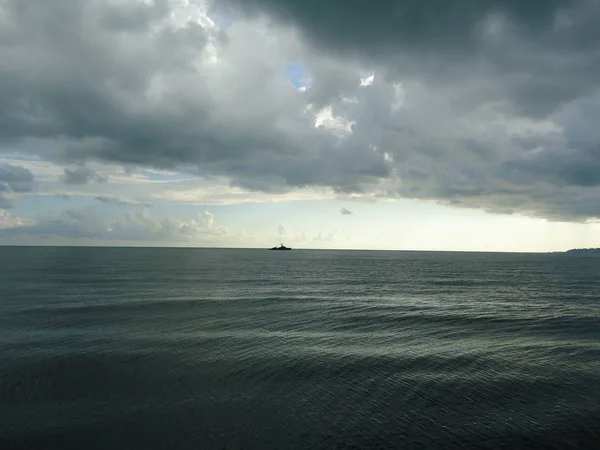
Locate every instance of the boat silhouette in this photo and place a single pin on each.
(281, 247)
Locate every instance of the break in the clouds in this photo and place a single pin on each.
(487, 104)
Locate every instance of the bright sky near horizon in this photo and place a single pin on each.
(430, 124)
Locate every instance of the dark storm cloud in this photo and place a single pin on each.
(378, 27)
(90, 86)
(87, 64)
(496, 109)
(537, 53)
(87, 84)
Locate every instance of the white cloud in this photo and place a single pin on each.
(202, 224)
(367, 81)
(290, 235)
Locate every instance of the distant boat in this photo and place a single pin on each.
(281, 247)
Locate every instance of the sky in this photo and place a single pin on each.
(406, 125)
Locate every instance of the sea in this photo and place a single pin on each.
(158, 348)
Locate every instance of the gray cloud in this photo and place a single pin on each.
(106, 114)
(537, 54)
(484, 104)
(345, 212)
(14, 180)
(82, 175)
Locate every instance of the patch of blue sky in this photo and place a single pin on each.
(32, 205)
(10, 154)
(222, 20)
(221, 16)
(297, 74)
(162, 176)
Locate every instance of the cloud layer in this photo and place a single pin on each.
(137, 225)
(485, 104)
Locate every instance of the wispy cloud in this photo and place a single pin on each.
(120, 201)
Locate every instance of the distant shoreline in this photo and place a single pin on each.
(584, 250)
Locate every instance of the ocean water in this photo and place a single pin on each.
(115, 348)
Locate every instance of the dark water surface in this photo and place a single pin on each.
(108, 348)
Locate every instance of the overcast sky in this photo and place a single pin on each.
(401, 124)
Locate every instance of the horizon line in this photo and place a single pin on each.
(192, 247)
